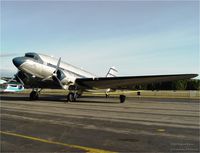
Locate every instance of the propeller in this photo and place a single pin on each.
(54, 75)
(14, 78)
(55, 72)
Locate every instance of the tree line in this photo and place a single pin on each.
(193, 84)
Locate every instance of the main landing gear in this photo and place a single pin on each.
(71, 97)
(74, 93)
(122, 98)
(34, 95)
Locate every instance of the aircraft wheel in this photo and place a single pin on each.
(71, 97)
(33, 95)
(122, 98)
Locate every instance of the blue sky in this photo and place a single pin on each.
(137, 37)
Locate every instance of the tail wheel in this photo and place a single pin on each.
(122, 98)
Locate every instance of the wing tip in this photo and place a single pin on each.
(192, 75)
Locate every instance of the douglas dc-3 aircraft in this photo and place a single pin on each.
(39, 71)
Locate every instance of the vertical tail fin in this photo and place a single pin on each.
(112, 72)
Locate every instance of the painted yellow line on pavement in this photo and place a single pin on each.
(87, 149)
(161, 130)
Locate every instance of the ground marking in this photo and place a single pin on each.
(161, 130)
(87, 149)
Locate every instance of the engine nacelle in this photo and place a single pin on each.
(62, 78)
(60, 75)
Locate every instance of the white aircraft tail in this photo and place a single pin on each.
(112, 72)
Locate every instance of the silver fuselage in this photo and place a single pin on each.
(39, 66)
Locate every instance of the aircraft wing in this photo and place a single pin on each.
(128, 81)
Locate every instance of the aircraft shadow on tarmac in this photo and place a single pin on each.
(60, 98)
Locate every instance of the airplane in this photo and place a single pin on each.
(10, 86)
(39, 71)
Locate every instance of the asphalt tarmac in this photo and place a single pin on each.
(97, 124)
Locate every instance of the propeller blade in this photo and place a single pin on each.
(47, 78)
(55, 78)
(55, 72)
(58, 64)
(19, 79)
(54, 75)
(10, 80)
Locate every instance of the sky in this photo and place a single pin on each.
(137, 37)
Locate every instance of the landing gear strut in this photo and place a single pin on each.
(122, 98)
(34, 94)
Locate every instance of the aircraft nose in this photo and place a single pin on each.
(17, 61)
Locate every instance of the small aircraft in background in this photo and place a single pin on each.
(10, 86)
(39, 71)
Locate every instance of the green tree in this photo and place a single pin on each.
(179, 85)
(193, 85)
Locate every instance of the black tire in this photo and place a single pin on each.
(71, 97)
(33, 95)
(122, 98)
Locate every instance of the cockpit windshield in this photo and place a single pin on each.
(34, 56)
(31, 55)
